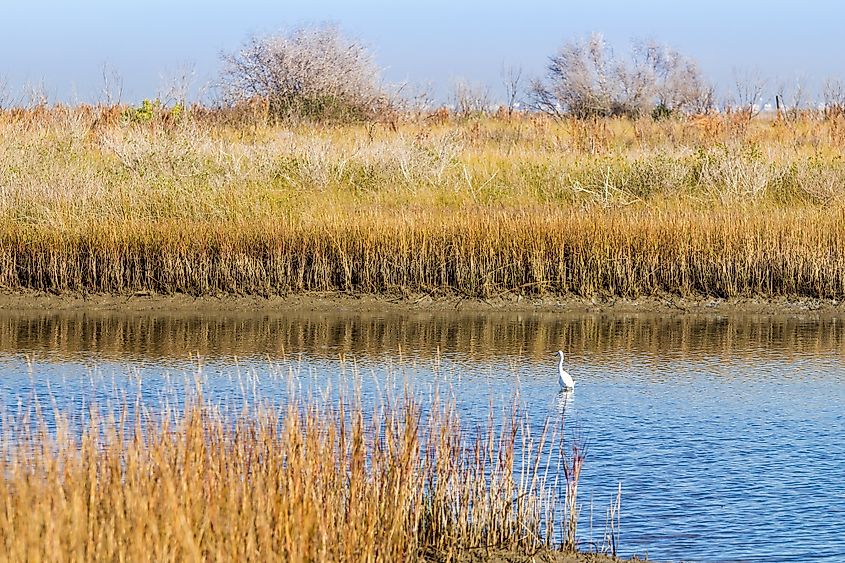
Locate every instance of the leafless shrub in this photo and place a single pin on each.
(175, 85)
(314, 73)
(35, 94)
(512, 81)
(586, 79)
(749, 90)
(112, 85)
(834, 98)
(5, 95)
(735, 173)
(791, 100)
(817, 183)
(415, 98)
(470, 99)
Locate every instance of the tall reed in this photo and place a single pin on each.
(780, 253)
(313, 481)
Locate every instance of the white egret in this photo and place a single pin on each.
(563, 377)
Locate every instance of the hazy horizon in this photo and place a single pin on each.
(64, 48)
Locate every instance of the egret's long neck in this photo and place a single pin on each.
(560, 363)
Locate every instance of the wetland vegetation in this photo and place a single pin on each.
(312, 480)
(225, 202)
(622, 181)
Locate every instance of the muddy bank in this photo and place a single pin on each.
(11, 301)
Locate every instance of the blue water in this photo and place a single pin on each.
(727, 448)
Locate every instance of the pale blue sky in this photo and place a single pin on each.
(64, 44)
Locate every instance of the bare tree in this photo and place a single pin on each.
(311, 72)
(586, 79)
(638, 88)
(579, 80)
(669, 80)
(512, 81)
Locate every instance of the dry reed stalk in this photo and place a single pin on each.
(626, 253)
(613, 524)
(325, 482)
(572, 465)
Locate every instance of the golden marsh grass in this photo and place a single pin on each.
(313, 481)
(792, 253)
(211, 203)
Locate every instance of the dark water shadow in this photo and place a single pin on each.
(484, 336)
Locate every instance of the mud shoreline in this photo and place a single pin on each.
(19, 301)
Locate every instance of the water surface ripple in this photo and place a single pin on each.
(726, 432)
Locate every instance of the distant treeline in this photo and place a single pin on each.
(319, 73)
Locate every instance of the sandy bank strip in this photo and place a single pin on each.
(340, 303)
